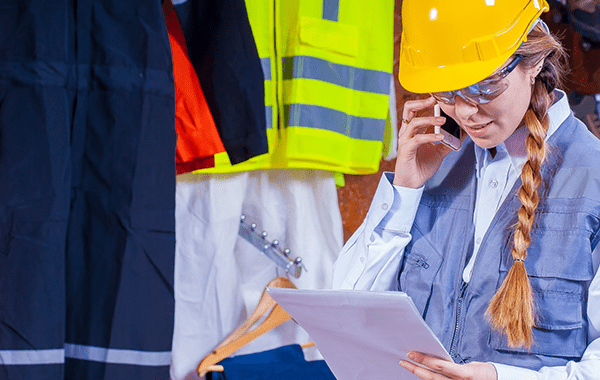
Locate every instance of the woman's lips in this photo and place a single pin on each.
(476, 129)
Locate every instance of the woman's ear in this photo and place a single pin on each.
(539, 66)
(535, 71)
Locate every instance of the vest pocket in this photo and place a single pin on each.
(559, 269)
(559, 330)
(333, 36)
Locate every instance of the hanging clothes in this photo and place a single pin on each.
(223, 52)
(219, 277)
(197, 136)
(283, 363)
(327, 67)
(327, 70)
(87, 182)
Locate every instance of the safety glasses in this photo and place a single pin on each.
(481, 92)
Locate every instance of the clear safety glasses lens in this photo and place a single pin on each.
(482, 92)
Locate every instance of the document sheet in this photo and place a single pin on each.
(361, 335)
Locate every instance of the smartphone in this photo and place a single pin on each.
(450, 130)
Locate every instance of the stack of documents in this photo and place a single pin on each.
(361, 335)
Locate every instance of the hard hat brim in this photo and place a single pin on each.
(449, 78)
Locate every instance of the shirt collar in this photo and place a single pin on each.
(514, 146)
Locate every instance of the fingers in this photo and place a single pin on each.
(421, 372)
(419, 154)
(419, 125)
(436, 364)
(414, 134)
(411, 108)
(425, 138)
(412, 125)
(435, 368)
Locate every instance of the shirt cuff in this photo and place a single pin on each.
(508, 372)
(406, 199)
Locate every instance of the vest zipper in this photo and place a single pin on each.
(459, 304)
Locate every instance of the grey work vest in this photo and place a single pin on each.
(559, 261)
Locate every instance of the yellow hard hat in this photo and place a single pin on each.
(447, 45)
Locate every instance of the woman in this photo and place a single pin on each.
(497, 243)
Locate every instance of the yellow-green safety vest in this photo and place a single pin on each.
(327, 66)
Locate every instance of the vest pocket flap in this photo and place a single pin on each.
(556, 253)
(330, 35)
(561, 241)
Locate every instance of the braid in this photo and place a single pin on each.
(512, 309)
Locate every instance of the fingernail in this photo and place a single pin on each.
(439, 136)
(411, 355)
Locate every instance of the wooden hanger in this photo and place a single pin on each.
(241, 336)
(265, 304)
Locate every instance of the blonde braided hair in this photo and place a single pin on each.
(512, 309)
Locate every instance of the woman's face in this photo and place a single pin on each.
(492, 123)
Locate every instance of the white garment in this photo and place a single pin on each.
(219, 277)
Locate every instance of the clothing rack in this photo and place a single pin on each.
(270, 249)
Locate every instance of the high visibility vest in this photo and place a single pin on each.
(327, 66)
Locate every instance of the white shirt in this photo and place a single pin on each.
(370, 260)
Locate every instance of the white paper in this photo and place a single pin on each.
(361, 334)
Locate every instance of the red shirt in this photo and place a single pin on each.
(197, 136)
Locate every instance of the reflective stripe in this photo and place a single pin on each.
(311, 116)
(331, 9)
(354, 78)
(269, 116)
(118, 356)
(266, 67)
(32, 357)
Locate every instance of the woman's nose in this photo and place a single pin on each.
(464, 109)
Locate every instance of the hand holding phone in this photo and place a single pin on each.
(450, 129)
(419, 152)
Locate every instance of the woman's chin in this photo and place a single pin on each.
(484, 143)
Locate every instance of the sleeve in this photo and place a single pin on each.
(589, 365)
(587, 368)
(370, 259)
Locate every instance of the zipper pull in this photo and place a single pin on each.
(423, 263)
(420, 261)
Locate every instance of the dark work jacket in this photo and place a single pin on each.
(559, 260)
(87, 184)
(222, 49)
(282, 363)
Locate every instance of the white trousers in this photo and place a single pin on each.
(219, 277)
